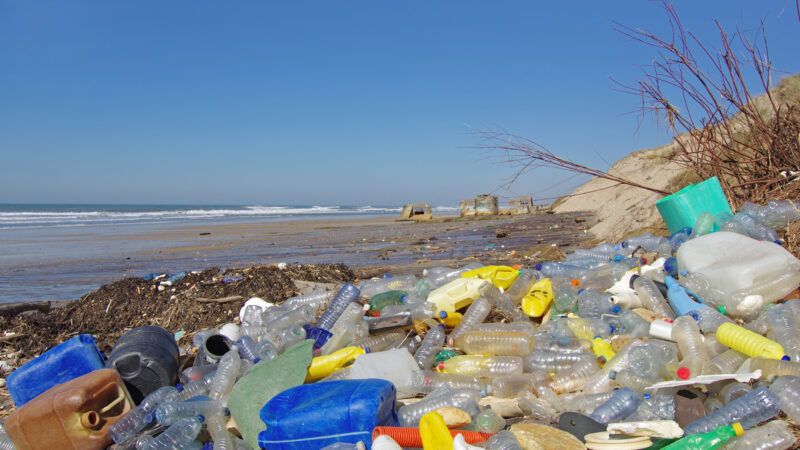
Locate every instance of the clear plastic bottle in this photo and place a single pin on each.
(347, 294)
(584, 403)
(171, 412)
(775, 214)
(381, 342)
(560, 270)
(430, 346)
(623, 403)
(179, 435)
(732, 391)
(633, 380)
(285, 338)
(140, 417)
(728, 361)
(593, 304)
(444, 275)
(477, 312)
(482, 366)
(503, 440)
(505, 343)
(313, 299)
(427, 381)
(703, 225)
(709, 319)
(752, 227)
(695, 360)
(300, 316)
(521, 285)
(654, 407)
(344, 329)
(376, 286)
(253, 315)
(518, 327)
(771, 368)
(197, 388)
(648, 243)
(573, 378)
(561, 344)
(633, 324)
(513, 385)
(750, 409)
(247, 349)
(787, 390)
(5, 443)
(565, 297)
(589, 328)
(783, 329)
(219, 433)
(651, 297)
(773, 435)
(553, 361)
(465, 399)
(226, 375)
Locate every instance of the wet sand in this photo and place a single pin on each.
(86, 259)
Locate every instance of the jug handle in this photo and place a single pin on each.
(120, 398)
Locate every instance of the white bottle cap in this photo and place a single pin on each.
(661, 329)
(230, 331)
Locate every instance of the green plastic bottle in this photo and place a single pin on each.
(384, 299)
(707, 441)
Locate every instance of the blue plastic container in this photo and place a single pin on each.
(683, 208)
(67, 360)
(313, 416)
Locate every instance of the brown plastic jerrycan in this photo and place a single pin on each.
(74, 415)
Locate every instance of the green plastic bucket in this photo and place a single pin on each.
(683, 208)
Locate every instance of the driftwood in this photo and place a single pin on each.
(231, 298)
(12, 309)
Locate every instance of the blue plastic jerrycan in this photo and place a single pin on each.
(64, 362)
(313, 416)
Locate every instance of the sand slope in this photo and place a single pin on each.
(621, 209)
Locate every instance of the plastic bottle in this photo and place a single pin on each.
(171, 412)
(178, 435)
(505, 343)
(773, 435)
(138, 418)
(775, 214)
(648, 243)
(344, 329)
(709, 319)
(380, 342)
(708, 440)
(771, 368)
(384, 299)
(553, 361)
(651, 297)
(679, 299)
(574, 377)
(299, 316)
(562, 344)
(287, 337)
(370, 288)
(622, 404)
(226, 375)
(482, 366)
(787, 389)
(430, 346)
(247, 349)
(695, 360)
(314, 299)
(323, 366)
(782, 326)
(513, 385)
(477, 312)
(748, 342)
(444, 275)
(752, 227)
(728, 361)
(655, 407)
(633, 324)
(593, 304)
(750, 409)
(522, 285)
(5, 443)
(197, 388)
(218, 432)
(347, 294)
(427, 381)
(602, 349)
(560, 270)
(565, 296)
(503, 440)
(465, 399)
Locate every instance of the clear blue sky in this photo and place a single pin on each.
(327, 102)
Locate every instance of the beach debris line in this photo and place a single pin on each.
(586, 352)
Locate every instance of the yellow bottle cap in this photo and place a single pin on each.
(738, 429)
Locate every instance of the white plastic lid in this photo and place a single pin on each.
(230, 331)
(661, 329)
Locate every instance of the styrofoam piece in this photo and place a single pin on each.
(663, 429)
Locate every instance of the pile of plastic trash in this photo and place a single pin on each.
(685, 342)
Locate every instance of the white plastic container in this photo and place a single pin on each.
(396, 365)
(457, 294)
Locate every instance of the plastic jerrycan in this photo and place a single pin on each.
(147, 359)
(456, 294)
(322, 366)
(500, 276)
(74, 415)
(68, 360)
(538, 298)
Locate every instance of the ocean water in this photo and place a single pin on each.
(60, 252)
(27, 216)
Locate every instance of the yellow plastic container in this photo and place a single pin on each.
(451, 320)
(538, 298)
(749, 343)
(322, 366)
(603, 349)
(434, 432)
(500, 276)
(457, 294)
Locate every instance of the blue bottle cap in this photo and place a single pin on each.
(443, 315)
(539, 266)
(616, 309)
(786, 358)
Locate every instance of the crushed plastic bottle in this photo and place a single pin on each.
(622, 404)
(755, 407)
(179, 435)
(140, 417)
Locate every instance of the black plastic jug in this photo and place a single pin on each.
(147, 359)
